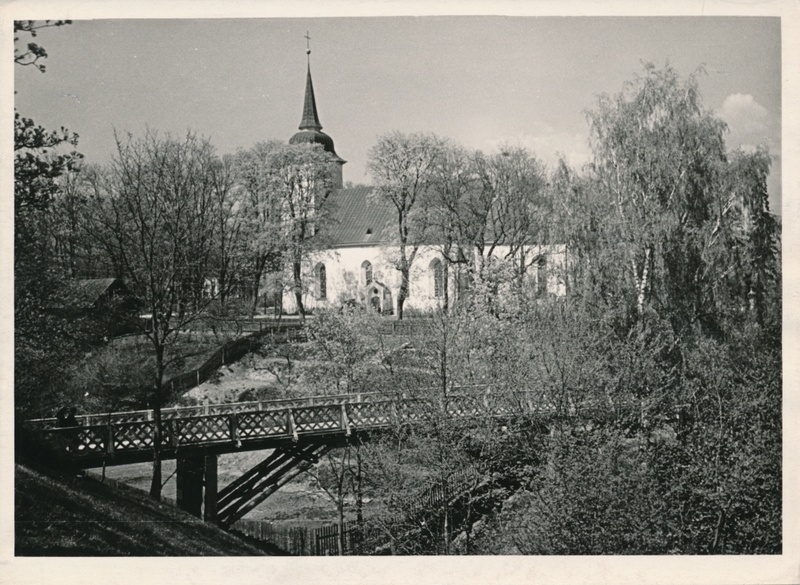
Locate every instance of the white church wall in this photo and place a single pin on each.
(345, 277)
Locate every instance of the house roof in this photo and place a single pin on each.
(356, 218)
(84, 293)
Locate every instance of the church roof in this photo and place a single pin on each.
(357, 219)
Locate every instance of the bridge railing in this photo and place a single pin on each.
(228, 407)
(234, 426)
(205, 409)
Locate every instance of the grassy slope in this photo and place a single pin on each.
(58, 515)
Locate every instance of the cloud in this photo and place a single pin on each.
(549, 145)
(749, 122)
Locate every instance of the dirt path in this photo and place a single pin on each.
(250, 374)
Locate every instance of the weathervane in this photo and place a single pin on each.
(308, 46)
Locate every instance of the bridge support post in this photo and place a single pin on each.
(196, 482)
(189, 483)
(210, 494)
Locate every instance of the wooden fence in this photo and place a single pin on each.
(231, 352)
(441, 491)
(405, 327)
(358, 539)
(309, 541)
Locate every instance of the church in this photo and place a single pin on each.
(356, 264)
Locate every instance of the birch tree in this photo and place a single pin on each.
(671, 197)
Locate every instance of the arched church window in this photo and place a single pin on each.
(438, 278)
(321, 282)
(366, 271)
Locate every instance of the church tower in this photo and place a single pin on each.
(311, 129)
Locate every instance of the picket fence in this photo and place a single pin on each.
(309, 541)
(229, 353)
(358, 538)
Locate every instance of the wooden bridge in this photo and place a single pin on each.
(296, 431)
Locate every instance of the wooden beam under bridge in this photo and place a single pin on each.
(197, 488)
(264, 479)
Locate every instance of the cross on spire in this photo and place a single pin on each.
(308, 44)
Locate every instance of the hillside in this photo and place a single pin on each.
(58, 515)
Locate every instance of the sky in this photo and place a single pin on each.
(480, 81)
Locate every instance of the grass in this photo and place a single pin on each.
(189, 352)
(66, 515)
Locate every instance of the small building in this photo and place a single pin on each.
(108, 301)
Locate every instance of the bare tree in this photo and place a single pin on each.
(401, 166)
(260, 213)
(157, 212)
(286, 204)
(510, 207)
(228, 258)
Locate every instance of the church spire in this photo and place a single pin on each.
(310, 128)
(310, 119)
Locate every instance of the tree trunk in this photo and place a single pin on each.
(403, 293)
(222, 291)
(446, 286)
(643, 282)
(446, 531)
(340, 539)
(155, 484)
(298, 290)
(259, 270)
(359, 500)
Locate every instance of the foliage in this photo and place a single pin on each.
(36, 166)
(673, 304)
(667, 307)
(723, 477)
(43, 342)
(707, 482)
(671, 203)
(284, 207)
(33, 51)
(345, 337)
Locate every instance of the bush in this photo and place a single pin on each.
(701, 474)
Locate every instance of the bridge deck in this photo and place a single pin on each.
(122, 438)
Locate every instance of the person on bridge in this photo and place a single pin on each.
(61, 417)
(65, 417)
(70, 420)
